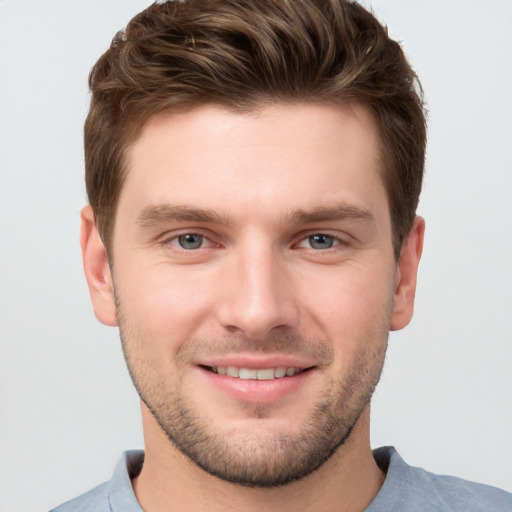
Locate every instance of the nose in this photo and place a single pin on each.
(258, 293)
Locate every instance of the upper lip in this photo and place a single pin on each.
(257, 361)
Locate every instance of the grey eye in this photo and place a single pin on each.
(190, 241)
(320, 241)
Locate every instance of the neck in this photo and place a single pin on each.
(349, 480)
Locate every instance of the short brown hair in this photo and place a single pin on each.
(177, 55)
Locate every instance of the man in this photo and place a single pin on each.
(253, 170)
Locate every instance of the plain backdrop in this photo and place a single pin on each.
(67, 406)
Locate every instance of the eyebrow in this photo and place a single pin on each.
(162, 213)
(176, 213)
(330, 212)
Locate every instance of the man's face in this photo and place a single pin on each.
(255, 281)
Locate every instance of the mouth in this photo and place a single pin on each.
(236, 372)
(257, 381)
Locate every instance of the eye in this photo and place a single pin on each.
(190, 241)
(320, 241)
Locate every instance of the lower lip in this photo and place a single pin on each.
(257, 391)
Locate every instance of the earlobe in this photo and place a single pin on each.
(406, 275)
(97, 270)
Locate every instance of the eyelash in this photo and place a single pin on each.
(175, 241)
(337, 241)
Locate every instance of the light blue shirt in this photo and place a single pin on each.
(406, 488)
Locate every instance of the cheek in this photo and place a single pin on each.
(163, 301)
(354, 304)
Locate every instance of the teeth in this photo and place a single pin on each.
(267, 374)
(262, 374)
(280, 372)
(232, 371)
(248, 374)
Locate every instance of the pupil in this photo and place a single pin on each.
(321, 241)
(190, 241)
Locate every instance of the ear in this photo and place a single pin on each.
(97, 270)
(406, 274)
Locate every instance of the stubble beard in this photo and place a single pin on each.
(256, 458)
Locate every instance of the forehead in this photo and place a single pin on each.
(278, 157)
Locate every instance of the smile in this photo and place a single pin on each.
(259, 374)
(261, 382)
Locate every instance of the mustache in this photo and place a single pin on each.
(314, 349)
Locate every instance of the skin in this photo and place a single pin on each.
(258, 291)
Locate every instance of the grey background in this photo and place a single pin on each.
(67, 405)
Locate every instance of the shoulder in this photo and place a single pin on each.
(460, 494)
(115, 495)
(414, 489)
(94, 500)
